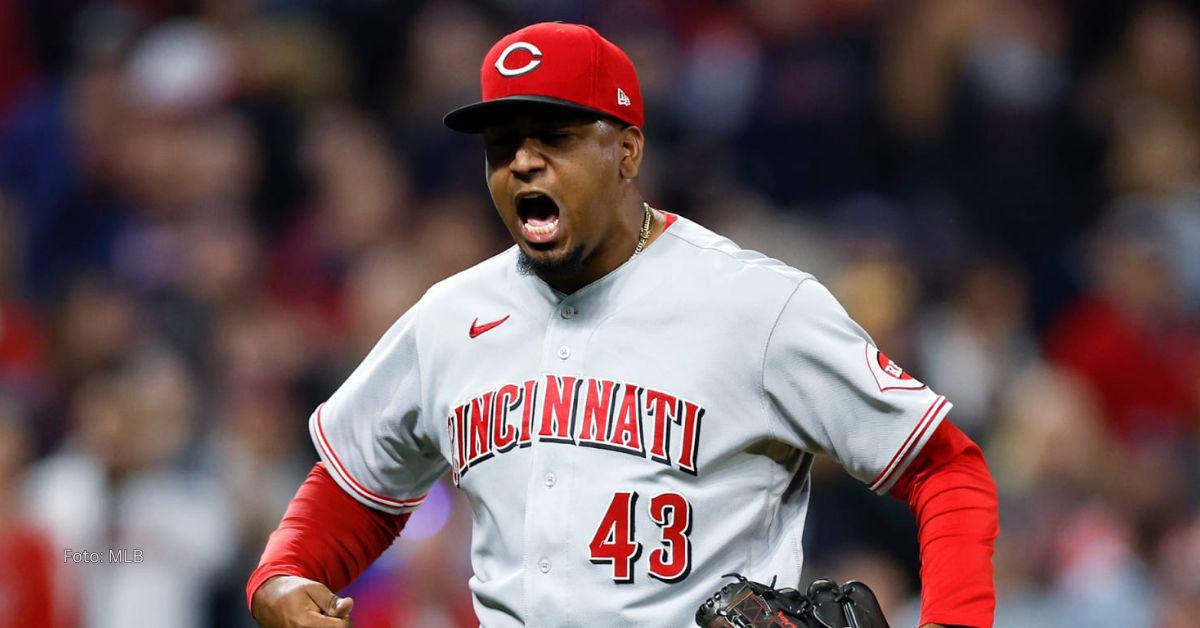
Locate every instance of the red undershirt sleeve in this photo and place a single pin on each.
(326, 535)
(952, 495)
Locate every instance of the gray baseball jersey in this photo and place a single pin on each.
(624, 446)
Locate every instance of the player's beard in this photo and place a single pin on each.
(563, 266)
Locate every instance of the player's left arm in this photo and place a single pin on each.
(952, 495)
(832, 391)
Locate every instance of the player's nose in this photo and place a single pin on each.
(527, 160)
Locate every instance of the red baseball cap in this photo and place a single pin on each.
(566, 65)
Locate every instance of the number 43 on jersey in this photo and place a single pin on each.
(614, 541)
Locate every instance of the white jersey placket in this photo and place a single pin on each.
(550, 558)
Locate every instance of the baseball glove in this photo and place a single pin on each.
(748, 604)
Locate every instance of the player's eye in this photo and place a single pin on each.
(502, 139)
(500, 148)
(554, 137)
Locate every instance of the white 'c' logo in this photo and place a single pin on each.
(528, 67)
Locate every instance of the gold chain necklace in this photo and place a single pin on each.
(645, 235)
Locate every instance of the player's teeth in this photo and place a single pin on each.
(542, 229)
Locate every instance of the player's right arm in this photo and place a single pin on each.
(378, 459)
(324, 542)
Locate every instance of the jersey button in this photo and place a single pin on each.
(544, 565)
(568, 311)
(564, 352)
(551, 480)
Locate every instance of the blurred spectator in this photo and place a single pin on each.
(118, 484)
(359, 200)
(1180, 560)
(57, 150)
(969, 346)
(445, 43)
(978, 94)
(1064, 552)
(807, 136)
(29, 592)
(1128, 337)
(1156, 63)
(1146, 99)
(96, 327)
(1049, 435)
(22, 335)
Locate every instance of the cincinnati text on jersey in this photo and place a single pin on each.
(581, 411)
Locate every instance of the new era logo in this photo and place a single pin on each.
(622, 98)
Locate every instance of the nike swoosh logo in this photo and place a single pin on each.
(477, 329)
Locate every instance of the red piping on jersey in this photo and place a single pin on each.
(363, 491)
(914, 437)
(669, 218)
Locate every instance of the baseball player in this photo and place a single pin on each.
(630, 402)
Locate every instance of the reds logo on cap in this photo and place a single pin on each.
(552, 63)
(528, 67)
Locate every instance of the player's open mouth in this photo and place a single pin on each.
(538, 214)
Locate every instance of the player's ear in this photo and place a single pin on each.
(632, 142)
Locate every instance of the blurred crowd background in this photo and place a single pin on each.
(211, 209)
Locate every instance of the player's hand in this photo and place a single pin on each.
(295, 602)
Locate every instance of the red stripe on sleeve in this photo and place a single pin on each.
(914, 437)
(326, 535)
(382, 501)
(952, 495)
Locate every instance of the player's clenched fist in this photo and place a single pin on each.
(295, 602)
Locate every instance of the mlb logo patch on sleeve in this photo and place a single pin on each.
(888, 374)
